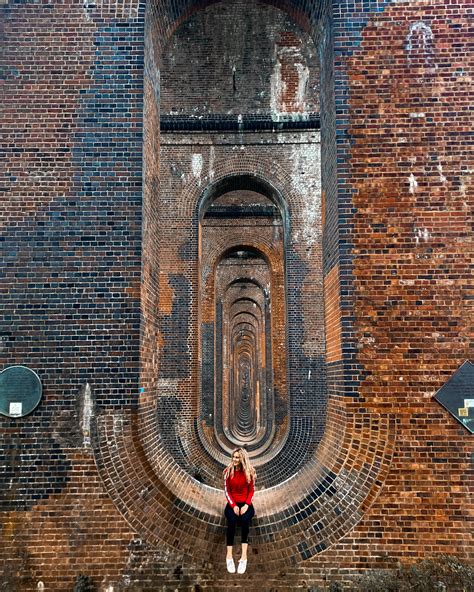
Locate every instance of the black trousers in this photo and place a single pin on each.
(233, 521)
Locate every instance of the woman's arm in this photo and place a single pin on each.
(251, 491)
(228, 495)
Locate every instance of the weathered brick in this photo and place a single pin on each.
(113, 275)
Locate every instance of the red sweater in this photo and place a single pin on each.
(237, 490)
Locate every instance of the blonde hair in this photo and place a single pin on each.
(250, 472)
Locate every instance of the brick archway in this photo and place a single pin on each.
(296, 520)
(309, 511)
(316, 489)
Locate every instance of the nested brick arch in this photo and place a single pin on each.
(243, 405)
(246, 329)
(298, 519)
(243, 170)
(319, 502)
(295, 418)
(317, 488)
(241, 262)
(208, 458)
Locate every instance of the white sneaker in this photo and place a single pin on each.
(231, 565)
(242, 566)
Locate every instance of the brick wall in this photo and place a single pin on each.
(100, 293)
(238, 58)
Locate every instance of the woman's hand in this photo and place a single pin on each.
(243, 509)
(237, 510)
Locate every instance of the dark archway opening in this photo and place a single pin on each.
(242, 316)
(272, 380)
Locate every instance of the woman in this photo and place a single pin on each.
(239, 479)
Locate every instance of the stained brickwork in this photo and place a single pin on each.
(255, 55)
(115, 474)
(232, 162)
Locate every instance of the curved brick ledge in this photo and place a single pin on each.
(297, 519)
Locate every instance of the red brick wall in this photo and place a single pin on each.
(95, 263)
